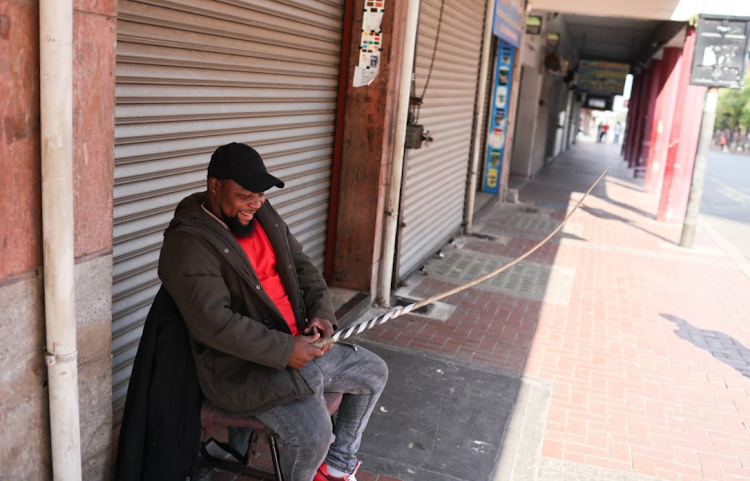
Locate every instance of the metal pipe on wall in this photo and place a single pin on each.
(479, 114)
(397, 164)
(56, 110)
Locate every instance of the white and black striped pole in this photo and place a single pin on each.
(400, 311)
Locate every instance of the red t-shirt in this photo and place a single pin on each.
(262, 257)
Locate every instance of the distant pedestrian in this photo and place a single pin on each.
(603, 133)
(618, 130)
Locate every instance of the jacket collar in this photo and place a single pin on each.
(191, 215)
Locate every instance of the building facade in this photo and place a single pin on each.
(157, 86)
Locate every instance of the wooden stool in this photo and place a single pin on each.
(213, 417)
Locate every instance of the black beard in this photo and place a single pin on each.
(237, 227)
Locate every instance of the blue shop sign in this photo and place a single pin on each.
(498, 117)
(508, 21)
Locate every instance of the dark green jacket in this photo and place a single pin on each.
(240, 341)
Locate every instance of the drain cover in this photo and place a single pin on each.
(528, 222)
(402, 301)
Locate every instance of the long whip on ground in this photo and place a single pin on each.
(400, 311)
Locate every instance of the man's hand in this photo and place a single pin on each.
(304, 351)
(322, 326)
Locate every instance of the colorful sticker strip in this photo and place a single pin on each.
(370, 45)
(497, 124)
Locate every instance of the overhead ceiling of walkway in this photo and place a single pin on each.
(677, 10)
(645, 9)
(610, 39)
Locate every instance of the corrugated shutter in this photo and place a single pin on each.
(435, 177)
(196, 74)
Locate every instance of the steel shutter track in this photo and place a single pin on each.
(435, 177)
(196, 74)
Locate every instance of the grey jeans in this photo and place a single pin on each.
(305, 425)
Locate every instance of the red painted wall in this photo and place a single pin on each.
(20, 198)
(94, 34)
(93, 130)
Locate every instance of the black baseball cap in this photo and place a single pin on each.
(242, 164)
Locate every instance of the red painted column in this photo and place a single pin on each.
(662, 123)
(633, 106)
(683, 142)
(640, 117)
(650, 94)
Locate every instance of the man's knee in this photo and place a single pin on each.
(379, 372)
(312, 434)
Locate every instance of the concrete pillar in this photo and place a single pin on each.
(25, 437)
(512, 121)
(662, 124)
(683, 141)
(527, 114)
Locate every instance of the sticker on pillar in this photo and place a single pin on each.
(498, 115)
(371, 43)
(497, 139)
(501, 96)
(506, 55)
(502, 76)
(494, 159)
(491, 180)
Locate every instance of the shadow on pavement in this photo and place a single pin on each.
(607, 215)
(643, 213)
(724, 348)
(438, 420)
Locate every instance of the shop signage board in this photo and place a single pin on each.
(533, 25)
(498, 117)
(720, 51)
(508, 21)
(602, 78)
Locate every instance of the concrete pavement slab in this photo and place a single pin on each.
(438, 419)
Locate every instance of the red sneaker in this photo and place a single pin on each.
(322, 474)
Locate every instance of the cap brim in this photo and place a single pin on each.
(260, 182)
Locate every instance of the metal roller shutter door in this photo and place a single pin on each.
(196, 74)
(435, 178)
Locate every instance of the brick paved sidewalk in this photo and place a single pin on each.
(645, 344)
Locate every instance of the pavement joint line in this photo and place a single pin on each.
(737, 258)
(521, 452)
(558, 470)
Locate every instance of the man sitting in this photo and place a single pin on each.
(254, 303)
